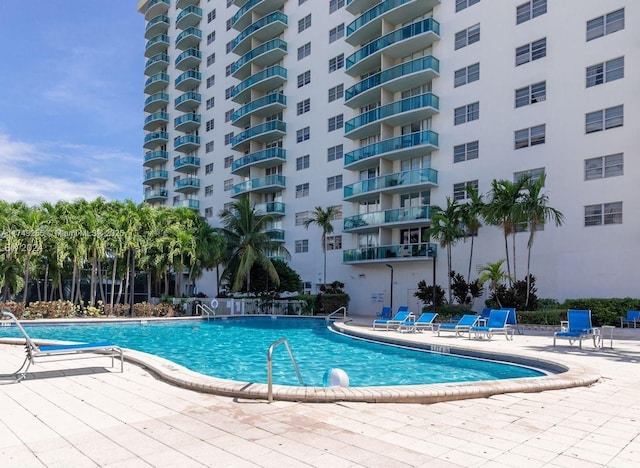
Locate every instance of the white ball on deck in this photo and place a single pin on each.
(336, 378)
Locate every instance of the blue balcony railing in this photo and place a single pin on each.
(392, 145)
(258, 77)
(260, 183)
(276, 16)
(260, 129)
(269, 99)
(380, 218)
(258, 156)
(387, 252)
(391, 181)
(273, 44)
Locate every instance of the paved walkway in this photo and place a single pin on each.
(80, 414)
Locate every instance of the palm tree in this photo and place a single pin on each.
(493, 273)
(446, 229)
(537, 211)
(322, 218)
(248, 243)
(470, 214)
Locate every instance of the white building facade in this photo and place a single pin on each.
(386, 108)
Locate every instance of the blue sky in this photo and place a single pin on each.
(71, 94)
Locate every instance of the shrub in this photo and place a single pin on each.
(143, 309)
(515, 296)
(462, 291)
(52, 309)
(425, 294)
(118, 309)
(16, 308)
(604, 311)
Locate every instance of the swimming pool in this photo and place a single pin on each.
(236, 349)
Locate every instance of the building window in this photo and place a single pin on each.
(304, 79)
(466, 113)
(228, 138)
(303, 106)
(228, 70)
(211, 81)
(606, 213)
(229, 24)
(302, 190)
(229, 47)
(176, 200)
(228, 161)
(604, 119)
(302, 246)
(335, 152)
(530, 136)
(228, 92)
(211, 37)
(211, 59)
(302, 162)
(607, 24)
(335, 5)
(605, 72)
(336, 33)
(228, 206)
(208, 148)
(530, 10)
(304, 23)
(303, 134)
(531, 94)
(338, 212)
(467, 36)
(228, 115)
(466, 151)
(211, 16)
(208, 169)
(334, 242)
(336, 63)
(228, 185)
(461, 190)
(301, 218)
(337, 92)
(604, 166)
(335, 122)
(229, 3)
(334, 183)
(462, 4)
(208, 190)
(466, 75)
(534, 175)
(209, 125)
(530, 52)
(211, 102)
(208, 212)
(304, 51)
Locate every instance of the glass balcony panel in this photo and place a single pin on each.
(185, 3)
(190, 58)
(267, 27)
(186, 143)
(391, 183)
(157, 44)
(188, 80)
(153, 158)
(187, 122)
(189, 17)
(156, 83)
(156, 64)
(155, 176)
(155, 139)
(262, 133)
(265, 80)
(158, 25)
(155, 195)
(188, 38)
(262, 107)
(186, 163)
(264, 55)
(188, 101)
(188, 185)
(189, 203)
(402, 147)
(271, 208)
(275, 234)
(359, 6)
(265, 158)
(255, 9)
(155, 8)
(397, 44)
(390, 252)
(155, 102)
(261, 185)
(409, 216)
(155, 120)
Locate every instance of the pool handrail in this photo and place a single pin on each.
(342, 309)
(273, 346)
(205, 309)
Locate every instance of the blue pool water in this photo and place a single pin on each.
(236, 349)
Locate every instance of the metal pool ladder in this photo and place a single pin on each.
(342, 309)
(273, 346)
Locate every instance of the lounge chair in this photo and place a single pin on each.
(424, 322)
(496, 325)
(461, 326)
(399, 317)
(632, 318)
(577, 328)
(69, 351)
(512, 319)
(385, 313)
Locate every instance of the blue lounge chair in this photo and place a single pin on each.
(461, 326)
(385, 313)
(577, 328)
(399, 317)
(512, 319)
(35, 352)
(424, 322)
(496, 325)
(632, 318)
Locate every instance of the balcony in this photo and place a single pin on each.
(189, 203)
(186, 143)
(187, 164)
(266, 158)
(186, 122)
(390, 252)
(254, 9)
(399, 217)
(276, 235)
(397, 44)
(158, 25)
(156, 83)
(264, 55)
(188, 101)
(189, 38)
(404, 76)
(156, 45)
(390, 12)
(151, 196)
(156, 64)
(262, 133)
(394, 114)
(271, 208)
(262, 107)
(188, 80)
(271, 183)
(156, 176)
(155, 102)
(402, 147)
(188, 185)
(265, 80)
(155, 120)
(153, 158)
(190, 58)
(265, 28)
(189, 17)
(185, 3)
(399, 182)
(155, 8)
(152, 140)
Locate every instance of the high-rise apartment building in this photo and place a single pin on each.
(386, 108)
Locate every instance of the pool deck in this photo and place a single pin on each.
(79, 413)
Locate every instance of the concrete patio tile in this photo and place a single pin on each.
(19, 455)
(568, 461)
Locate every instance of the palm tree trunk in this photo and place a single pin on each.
(470, 261)
(113, 281)
(506, 251)
(513, 247)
